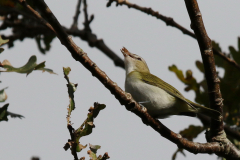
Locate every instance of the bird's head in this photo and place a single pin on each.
(133, 62)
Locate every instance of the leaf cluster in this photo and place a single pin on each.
(24, 25)
(230, 89)
(4, 113)
(26, 69)
(86, 127)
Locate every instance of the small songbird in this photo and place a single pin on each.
(160, 98)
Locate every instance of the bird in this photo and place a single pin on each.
(159, 98)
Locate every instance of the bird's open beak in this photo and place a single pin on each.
(125, 52)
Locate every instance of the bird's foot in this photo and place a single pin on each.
(144, 109)
(142, 106)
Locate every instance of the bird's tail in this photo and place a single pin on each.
(208, 111)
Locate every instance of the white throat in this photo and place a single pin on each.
(129, 65)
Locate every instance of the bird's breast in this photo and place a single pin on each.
(156, 100)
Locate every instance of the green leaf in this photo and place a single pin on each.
(3, 95)
(230, 89)
(92, 155)
(87, 126)
(189, 80)
(66, 71)
(1, 50)
(46, 39)
(235, 54)
(40, 66)
(97, 108)
(14, 115)
(219, 61)
(3, 112)
(174, 156)
(2, 41)
(200, 66)
(93, 151)
(191, 132)
(216, 46)
(191, 83)
(94, 148)
(178, 72)
(27, 68)
(71, 89)
(80, 147)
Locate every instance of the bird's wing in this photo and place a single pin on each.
(155, 81)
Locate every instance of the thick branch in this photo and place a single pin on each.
(125, 98)
(205, 45)
(170, 22)
(217, 133)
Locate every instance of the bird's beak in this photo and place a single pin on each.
(125, 52)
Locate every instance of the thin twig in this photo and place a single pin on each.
(105, 156)
(125, 98)
(170, 22)
(92, 40)
(77, 13)
(86, 23)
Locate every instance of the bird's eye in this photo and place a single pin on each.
(139, 59)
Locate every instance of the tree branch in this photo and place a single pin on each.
(170, 22)
(75, 18)
(87, 21)
(205, 45)
(206, 121)
(72, 141)
(126, 99)
(217, 133)
(37, 29)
